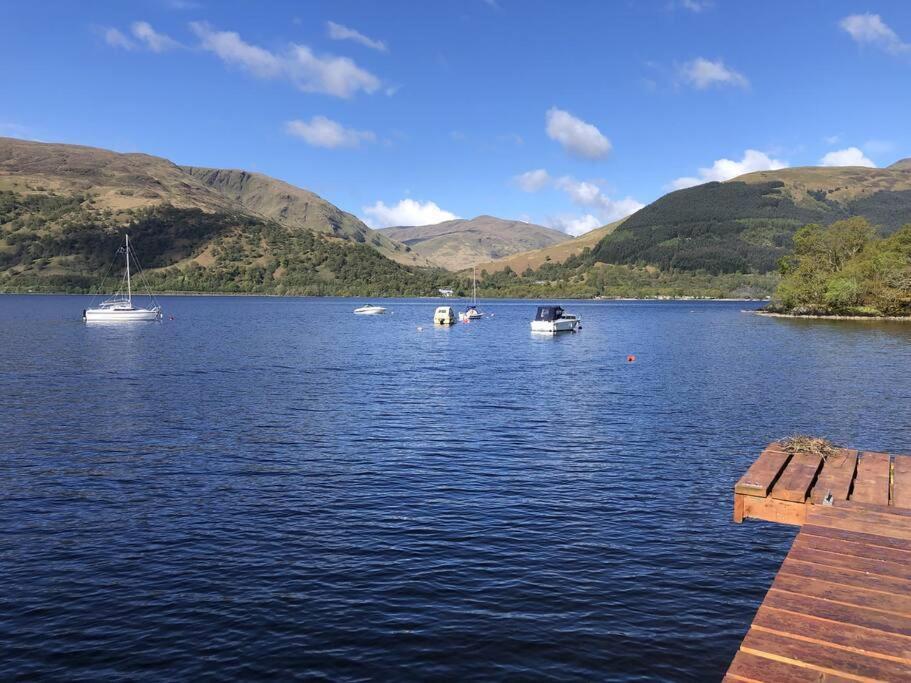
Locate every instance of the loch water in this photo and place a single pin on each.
(276, 488)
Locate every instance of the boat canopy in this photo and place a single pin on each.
(548, 313)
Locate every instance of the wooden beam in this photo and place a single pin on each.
(794, 483)
(763, 473)
(871, 485)
(835, 478)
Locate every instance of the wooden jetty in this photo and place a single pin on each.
(839, 608)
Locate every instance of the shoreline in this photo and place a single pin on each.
(435, 298)
(795, 316)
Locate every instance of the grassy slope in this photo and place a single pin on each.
(461, 243)
(556, 253)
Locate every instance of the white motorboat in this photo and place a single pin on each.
(553, 319)
(444, 315)
(120, 308)
(369, 309)
(472, 312)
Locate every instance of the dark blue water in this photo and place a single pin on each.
(276, 488)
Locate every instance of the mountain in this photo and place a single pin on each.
(556, 253)
(461, 243)
(64, 209)
(747, 224)
(298, 208)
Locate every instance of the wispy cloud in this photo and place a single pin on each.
(116, 38)
(702, 73)
(575, 135)
(696, 6)
(327, 74)
(406, 212)
(142, 36)
(320, 131)
(851, 156)
(152, 39)
(725, 169)
(870, 29)
(340, 32)
(532, 181)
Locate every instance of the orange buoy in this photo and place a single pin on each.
(630, 359)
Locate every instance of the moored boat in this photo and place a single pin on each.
(370, 309)
(472, 312)
(444, 315)
(553, 319)
(119, 307)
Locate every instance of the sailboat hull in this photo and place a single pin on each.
(122, 315)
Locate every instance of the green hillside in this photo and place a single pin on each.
(747, 224)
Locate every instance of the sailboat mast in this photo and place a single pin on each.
(129, 288)
(474, 285)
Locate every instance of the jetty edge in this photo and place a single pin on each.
(839, 608)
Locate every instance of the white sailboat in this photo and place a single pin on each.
(472, 312)
(120, 308)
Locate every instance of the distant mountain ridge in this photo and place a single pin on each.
(128, 181)
(461, 243)
(64, 209)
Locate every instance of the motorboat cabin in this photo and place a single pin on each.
(444, 315)
(552, 319)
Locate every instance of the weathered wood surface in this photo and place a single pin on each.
(839, 608)
(780, 487)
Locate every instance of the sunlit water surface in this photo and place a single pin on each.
(270, 487)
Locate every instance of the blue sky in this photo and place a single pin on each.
(568, 114)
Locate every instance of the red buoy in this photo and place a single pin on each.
(630, 359)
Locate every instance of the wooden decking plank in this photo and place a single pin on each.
(763, 473)
(824, 658)
(893, 604)
(756, 669)
(870, 507)
(871, 540)
(794, 483)
(849, 563)
(857, 639)
(901, 481)
(836, 611)
(871, 485)
(842, 575)
(878, 524)
(836, 477)
(895, 562)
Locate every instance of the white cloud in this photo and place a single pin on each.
(577, 137)
(406, 212)
(153, 40)
(574, 225)
(323, 132)
(850, 156)
(870, 29)
(588, 194)
(339, 32)
(832, 139)
(116, 38)
(338, 76)
(703, 73)
(725, 169)
(532, 181)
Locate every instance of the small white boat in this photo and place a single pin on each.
(553, 319)
(369, 309)
(444, 315)
(120, 308)
(472, 312)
